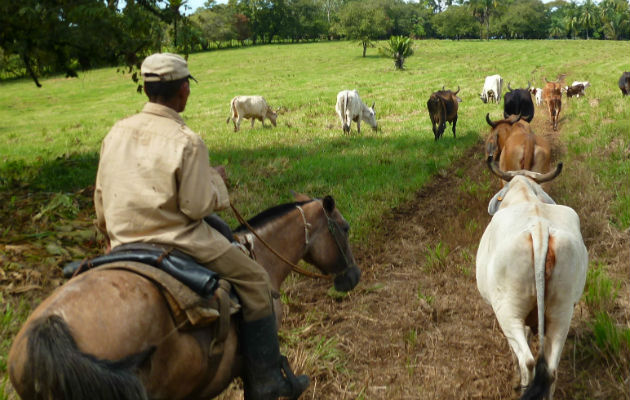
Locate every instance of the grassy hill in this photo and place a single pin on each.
(50, 138)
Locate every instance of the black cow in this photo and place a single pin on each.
(443, 106)
(518, 102)
(624, 83)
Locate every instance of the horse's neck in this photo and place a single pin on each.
(286, 235)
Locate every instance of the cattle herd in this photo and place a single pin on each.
(531, 262)
(442, 104)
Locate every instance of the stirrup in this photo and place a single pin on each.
(291, 378)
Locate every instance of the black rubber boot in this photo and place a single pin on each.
(267, 373)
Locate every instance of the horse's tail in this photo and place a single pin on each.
(541, 384)
(57, 368)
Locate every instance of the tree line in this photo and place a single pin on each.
(38, 37)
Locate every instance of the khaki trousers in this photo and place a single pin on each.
(250, 281)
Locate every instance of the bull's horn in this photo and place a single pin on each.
(546, 80)
(535, 176)
(492, 124)
(529, 84)
(457, 90)
(442, 87)
(494, 168)
(373, 103)
(542, 178)
(509, 88)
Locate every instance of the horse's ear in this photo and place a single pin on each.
(329, 203)
(300, 196)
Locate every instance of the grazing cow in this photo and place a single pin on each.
(624, 83)
(552, 95)
(531, 268)
(443, 106)
(350, 108)
(575, 90)
(492, 89)
(518, 102)
(251, 107)
(586, 84)
(537, 93)
(514, 144)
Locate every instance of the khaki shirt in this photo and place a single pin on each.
(155, 184)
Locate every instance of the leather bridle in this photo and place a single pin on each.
(333, 228)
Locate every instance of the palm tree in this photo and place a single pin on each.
(588, 16)
(557, 30)
(398, 48)
(570, 19)
(482, 9)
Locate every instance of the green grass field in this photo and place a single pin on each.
(49, 137)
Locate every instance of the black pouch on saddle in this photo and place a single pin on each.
(177, 264)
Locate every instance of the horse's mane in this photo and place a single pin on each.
(270, 214)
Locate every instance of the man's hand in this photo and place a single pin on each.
(221, 170)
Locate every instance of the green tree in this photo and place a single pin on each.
(363, 21)
(67, 35)
(399, 48)
(571, 18)
(456, 23)
(216, 24)
(524, 19)
(483, 10)
(615, 19)
(588, 16)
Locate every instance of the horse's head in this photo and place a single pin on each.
(327, 247)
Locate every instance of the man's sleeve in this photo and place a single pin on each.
(201, 188)
(98, 203)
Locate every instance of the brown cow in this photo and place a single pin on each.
(516, 146)
(552, 96)
(443, 106)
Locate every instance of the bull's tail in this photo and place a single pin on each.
(527, 162)
(233, 113)
(541, 384)
(57, 369)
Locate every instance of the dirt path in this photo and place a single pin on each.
(416, 327)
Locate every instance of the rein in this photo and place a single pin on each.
(294, 267)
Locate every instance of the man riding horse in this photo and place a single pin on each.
(155, 185)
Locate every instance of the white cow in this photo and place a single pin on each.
(531, 268)
(537, 93)
(492, 88)
(350, 108)
(252, 107)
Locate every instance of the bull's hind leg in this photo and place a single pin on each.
(514, 330)
(454, 125)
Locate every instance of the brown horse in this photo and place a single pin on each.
(109, 334)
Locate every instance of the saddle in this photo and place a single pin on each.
(196, 296)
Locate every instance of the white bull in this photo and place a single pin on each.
(252, 107)
(350, 108)
(531, 268)
(492, 88)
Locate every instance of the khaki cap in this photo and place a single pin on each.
(164, 67)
